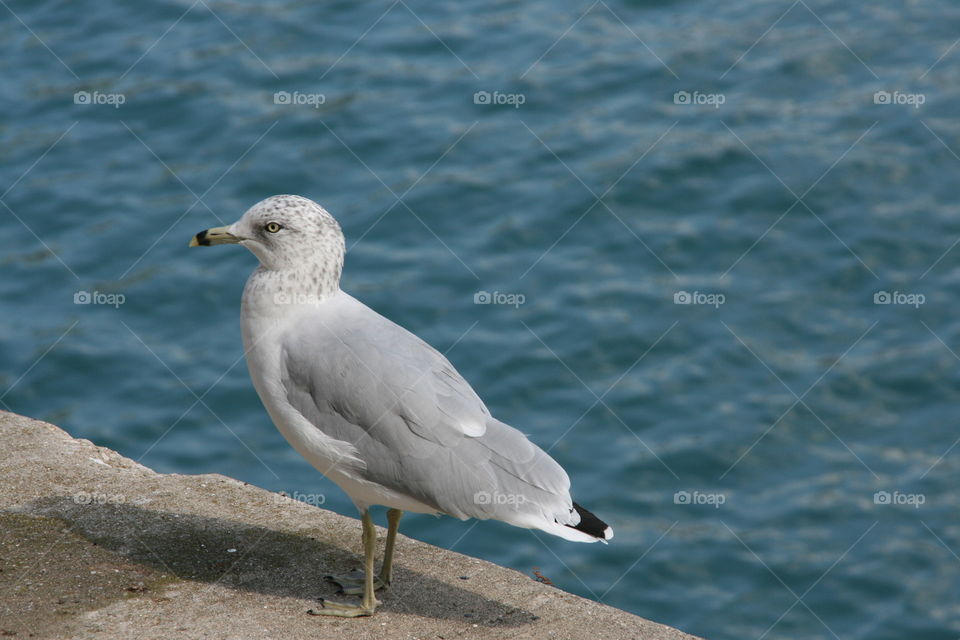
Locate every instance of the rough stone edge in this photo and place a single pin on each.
(31, 456)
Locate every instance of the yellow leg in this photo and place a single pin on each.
(393, 523)
(353, 583)
(369, 603)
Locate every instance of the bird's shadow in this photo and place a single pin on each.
(257, 559)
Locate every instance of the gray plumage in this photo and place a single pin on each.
(417, 425)
(373, 407)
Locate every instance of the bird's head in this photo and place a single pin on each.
(287, 233)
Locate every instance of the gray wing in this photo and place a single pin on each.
(417, 425)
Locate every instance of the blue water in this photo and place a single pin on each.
(782, 184)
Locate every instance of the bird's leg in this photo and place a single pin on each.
(369, 603)
(352, 584)
(393, 523)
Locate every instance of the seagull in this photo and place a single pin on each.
(373, 407)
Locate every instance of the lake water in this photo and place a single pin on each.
(718, 243)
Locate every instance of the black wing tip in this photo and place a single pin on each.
(592, 525)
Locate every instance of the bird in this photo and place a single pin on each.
(374, 408)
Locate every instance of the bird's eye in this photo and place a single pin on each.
(273, 227)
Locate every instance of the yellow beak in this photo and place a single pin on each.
(216, 235)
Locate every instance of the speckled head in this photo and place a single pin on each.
(289, 234)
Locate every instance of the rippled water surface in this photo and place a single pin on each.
(777, 457)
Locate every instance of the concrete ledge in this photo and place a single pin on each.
(94, 545)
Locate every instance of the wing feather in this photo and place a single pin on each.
(418, 426)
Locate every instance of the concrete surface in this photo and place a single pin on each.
(93, 545)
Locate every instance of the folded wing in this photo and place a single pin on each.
(416, 424)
